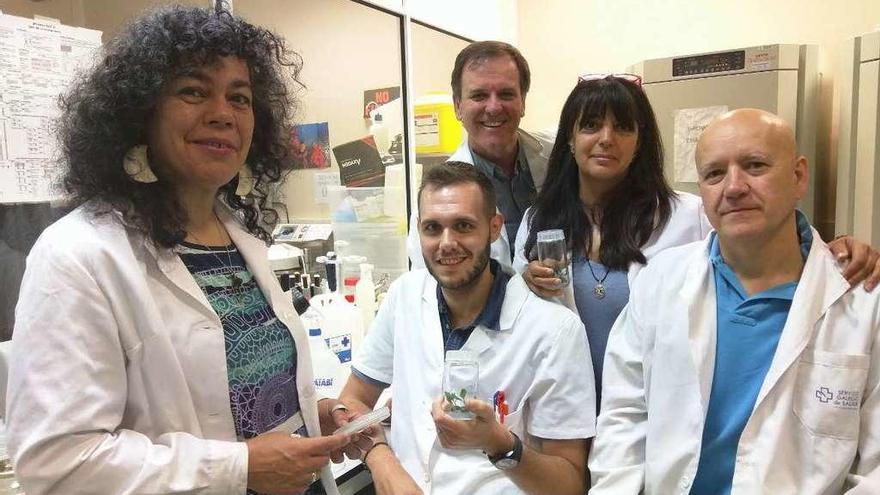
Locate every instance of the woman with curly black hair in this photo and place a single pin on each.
(156, 352)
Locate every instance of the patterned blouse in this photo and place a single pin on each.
(260, 352)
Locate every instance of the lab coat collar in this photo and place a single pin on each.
(702, 317)
(173, 268)
(536, 149)
(514, 299)
(252, 248)
(491, 312)
(479, 341)
(175, 271)
(820, 286)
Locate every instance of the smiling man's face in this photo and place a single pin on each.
(456, 233)
(750, 175)
(491, 106)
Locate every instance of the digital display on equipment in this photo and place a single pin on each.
(707, 64)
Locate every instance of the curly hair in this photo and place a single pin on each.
(107, 110)
(640, 205)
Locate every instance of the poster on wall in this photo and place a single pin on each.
(310, 146)
(375, 98)
(38, 59)
(360, 164)
(689, 124)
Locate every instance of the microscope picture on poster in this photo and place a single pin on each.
(310, 146)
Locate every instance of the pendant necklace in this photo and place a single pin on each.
(234, 279)
(596, 239)
(599, 288)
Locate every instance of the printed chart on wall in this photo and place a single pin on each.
(38, 58)
(689, 124)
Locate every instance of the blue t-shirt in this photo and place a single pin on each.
(598, 314)
(490, 315)
(748, 331)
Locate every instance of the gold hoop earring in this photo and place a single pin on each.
(245, 181)
(137, 165)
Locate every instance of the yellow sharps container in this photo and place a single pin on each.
(437, 130)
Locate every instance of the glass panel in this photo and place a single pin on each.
(357, 49)
(351, 73)
(21, 224)
(438, 132)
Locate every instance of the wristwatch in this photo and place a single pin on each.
(509, 460)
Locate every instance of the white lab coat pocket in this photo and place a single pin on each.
(829, 391)
(514, 423)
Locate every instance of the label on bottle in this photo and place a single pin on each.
(323, 382)
(341, 346)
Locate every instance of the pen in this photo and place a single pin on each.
(499, 405)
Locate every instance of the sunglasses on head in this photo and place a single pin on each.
(633, 78)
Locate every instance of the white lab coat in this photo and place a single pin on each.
(540, 358)
(658, 377)
(687, 223)
(537, 150)
(118, 382)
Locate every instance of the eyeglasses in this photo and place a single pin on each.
(633, 78)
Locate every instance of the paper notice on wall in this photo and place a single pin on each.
(323, 180)
(38, 59)
(689, 124)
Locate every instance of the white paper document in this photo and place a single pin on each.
(323, 180)
(38, 59)
(689, 124)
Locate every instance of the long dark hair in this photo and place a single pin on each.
(638, 205)
(107, 110)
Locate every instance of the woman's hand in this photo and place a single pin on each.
(280, 463)
(542, 280)
(860, 261)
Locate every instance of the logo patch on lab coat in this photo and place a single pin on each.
(841, 399)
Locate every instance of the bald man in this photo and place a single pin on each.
(743, 363)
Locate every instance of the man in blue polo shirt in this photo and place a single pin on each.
(532, 350)
(744, 364)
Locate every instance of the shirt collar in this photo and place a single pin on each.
(491, 169)
(490, 315)
(805, 236)
(784, 291)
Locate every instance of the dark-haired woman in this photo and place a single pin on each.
(605, 189)
(154, 350)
